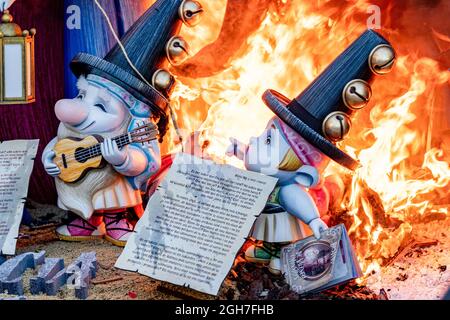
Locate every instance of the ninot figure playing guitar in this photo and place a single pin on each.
(74, 157)
(106, 150)
(101, 159)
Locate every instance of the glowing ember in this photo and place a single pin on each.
(296, 41)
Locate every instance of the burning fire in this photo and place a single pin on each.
(403, 175)
(399, 166)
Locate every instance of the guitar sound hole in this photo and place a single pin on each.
(81, 155)
(63, 156)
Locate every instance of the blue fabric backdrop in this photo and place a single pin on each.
(93, 35)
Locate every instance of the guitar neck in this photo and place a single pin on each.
(141, 134)
(96, 151)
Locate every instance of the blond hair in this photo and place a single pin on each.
(290, 162)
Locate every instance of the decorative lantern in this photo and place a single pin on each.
(17, 72)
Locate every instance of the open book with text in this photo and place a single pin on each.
(312, 265)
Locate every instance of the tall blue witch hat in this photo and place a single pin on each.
(150, 44)
(322, 112)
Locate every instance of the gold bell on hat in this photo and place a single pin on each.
(177, 50)
(163, 81)
(336, 126)
(356, 94)
(382, 59)
(191, 12)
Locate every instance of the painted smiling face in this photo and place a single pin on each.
(94, 110)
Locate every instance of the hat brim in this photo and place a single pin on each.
(85, 64)
(278, 104)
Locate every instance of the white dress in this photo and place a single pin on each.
(100, 190)
(275, 225)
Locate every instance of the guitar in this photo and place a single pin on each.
(75, 157)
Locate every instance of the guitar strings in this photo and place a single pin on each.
(125, 138)
(87, 153)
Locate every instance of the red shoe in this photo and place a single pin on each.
(119, 226)
(82, 230)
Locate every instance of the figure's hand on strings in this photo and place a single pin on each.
(112, 153)
(50, 167)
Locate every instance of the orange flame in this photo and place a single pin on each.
(393, 141)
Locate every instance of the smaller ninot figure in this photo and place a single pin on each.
(299, 142)
(282, 153)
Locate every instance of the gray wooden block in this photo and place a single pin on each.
(47, 272)
(12, 270)
(59, 280)
(81, 272)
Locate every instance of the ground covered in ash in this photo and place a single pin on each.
(252, 282)
(420, 271)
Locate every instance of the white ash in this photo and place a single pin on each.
(419, 273)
